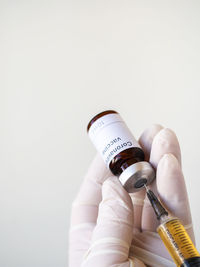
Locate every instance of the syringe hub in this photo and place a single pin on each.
(157, 206)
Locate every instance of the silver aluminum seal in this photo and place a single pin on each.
(134, 177)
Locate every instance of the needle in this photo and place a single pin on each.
(145, 186)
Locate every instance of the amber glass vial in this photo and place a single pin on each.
(120, 151)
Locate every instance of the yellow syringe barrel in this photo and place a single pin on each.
(177, 241)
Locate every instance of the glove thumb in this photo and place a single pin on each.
(113, 233)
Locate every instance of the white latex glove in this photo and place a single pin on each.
(109, 227)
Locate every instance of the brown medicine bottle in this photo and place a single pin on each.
(120, 150)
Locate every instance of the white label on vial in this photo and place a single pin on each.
(110, 136)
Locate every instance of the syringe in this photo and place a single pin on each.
(174, 235)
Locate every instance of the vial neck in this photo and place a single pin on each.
(128, 163)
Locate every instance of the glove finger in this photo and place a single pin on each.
(112, 235)
(145, 141)
(172, 190)
(164, 142)
(85, 206)
(147, 138)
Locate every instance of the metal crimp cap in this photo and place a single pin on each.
(135, 176)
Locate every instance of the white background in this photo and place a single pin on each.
(61, 62)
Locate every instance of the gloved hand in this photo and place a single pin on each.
(109, 227)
